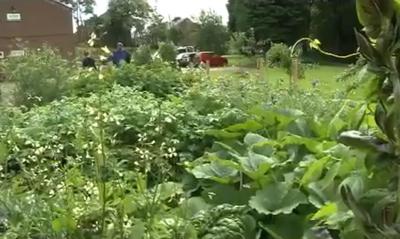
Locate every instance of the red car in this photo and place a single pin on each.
(214, 59)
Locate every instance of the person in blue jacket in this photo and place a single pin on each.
(120, 55)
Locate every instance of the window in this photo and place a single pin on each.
(13, 17)
(15, 53)
(1, 54)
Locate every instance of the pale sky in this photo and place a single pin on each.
(179, 8)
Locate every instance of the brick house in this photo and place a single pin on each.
(32, 23)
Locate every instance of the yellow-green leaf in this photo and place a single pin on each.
(325, 212)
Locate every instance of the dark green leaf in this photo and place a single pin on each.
(220, 194)
(222, 171)
(256, 165)
(314, 171)
(357, 140)
(248, 126)
(286, 227)
(277, 198)
(371, 14)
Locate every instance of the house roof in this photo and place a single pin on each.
(59, 3)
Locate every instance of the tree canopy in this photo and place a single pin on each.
(331, 21)
(213, 35)
(80, 8)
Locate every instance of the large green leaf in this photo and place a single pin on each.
(248, 126)
(356, 185)
(66, 223)
(192, 206)
(169, 189)
(371, 14)
(314, 171)
(313, 145)
(223, 134)
(138, 230)
(330, 215)
(277, 198)
(357, 140)
(222, 171)
(337, 124)
(279, 118)
(366, 48)
(256, 165)
(325, 212)
(252, 138)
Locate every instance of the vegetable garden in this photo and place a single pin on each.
(149, 152)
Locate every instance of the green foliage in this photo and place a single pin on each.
(146, 151)
(333, 23)
(158, 78)
(289, 166)
(80, 9)
(374, 203)
(238, 16)
(39, 77)
(284, 201)
(225, 221)
(279, 55)
(213, 35)
(241, 43)
(122, 15)
(87, 82)
(156, 32)
(167, 52)
(280, 21)
(237, 42)
(142, 55)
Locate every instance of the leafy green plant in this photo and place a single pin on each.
(40, 76)
(279, 55)
(376, 204)
(142, 55)
(167, 52)
(285, 167)
(87, 82)
(158, 78)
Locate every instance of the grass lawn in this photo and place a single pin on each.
(326, 76)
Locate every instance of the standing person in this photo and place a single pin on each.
(120, 55)
(88, 62)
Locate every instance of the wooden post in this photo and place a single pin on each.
(261, 68)
(294, 72)
(208, 68)
(266, 68)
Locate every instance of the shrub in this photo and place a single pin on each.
(158, 78)
(39, 76)
(167, 52)
(279, 55)
(87, 82)
(143, 55)
(237, 42)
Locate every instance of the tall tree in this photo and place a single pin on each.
(333, 23)
(213, 35)
(238, 16)
(157, 30)
(281, 21)
(124, 20)
(81, 8)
